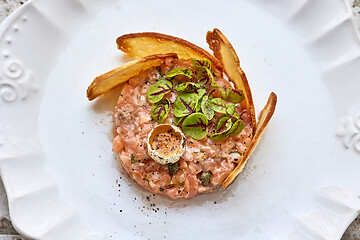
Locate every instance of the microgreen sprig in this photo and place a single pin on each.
(158, 90)
(195, 125)
(185, 104)
(160, 110)
(179, 72)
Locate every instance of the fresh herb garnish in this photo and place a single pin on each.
(177, 120)
(227, 126)
(189, 87)
(157, 90)
(179, 71)
(161, 189)
(132, 158)
(201, 93)
(223, 133)
(195, 104)
(205, 77)
(236, 128)
(195, 125)
(206, 108)
(220, 121)
(218, 105)
(230, 110)
(232, 95)
(196, 64)
(215, 85)
(160, 110)
(185, 104)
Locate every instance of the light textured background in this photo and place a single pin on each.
(7, 232)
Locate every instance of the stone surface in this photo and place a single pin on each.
(353, 231)
(8, 6)
(7, 232)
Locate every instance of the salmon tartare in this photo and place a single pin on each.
(184, 123)
(202, 158)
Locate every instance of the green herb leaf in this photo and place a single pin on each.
(215, 85)
(236, 152)
(196, 64)
(201, 93)
(218, 105)
(225, 92)
(232, 95)
(187, 87)
(218, 136)
(198, 106)
(145, 179)
(224, 130)
(157, 90)
(195, 125)
(161, 189)
(206, 108)
(185, 104)
(205, 77)
(173, 168)
(132, 158)
(205, 178)
(230, 110)
(221, 121)
(180, 71)
(236, 128)
(160, 110)
(178, 183)
(177, 120)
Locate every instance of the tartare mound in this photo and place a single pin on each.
(133, 122)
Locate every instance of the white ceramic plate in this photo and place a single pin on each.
(57, 166)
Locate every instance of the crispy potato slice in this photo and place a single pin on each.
(264, 119)
(147, 43)
(228, 58)
(107, 81)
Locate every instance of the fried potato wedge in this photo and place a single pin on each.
(264, 119)
(147, 43)
(225, 53)
(107, 81)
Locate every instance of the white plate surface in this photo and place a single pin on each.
(56, 162)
